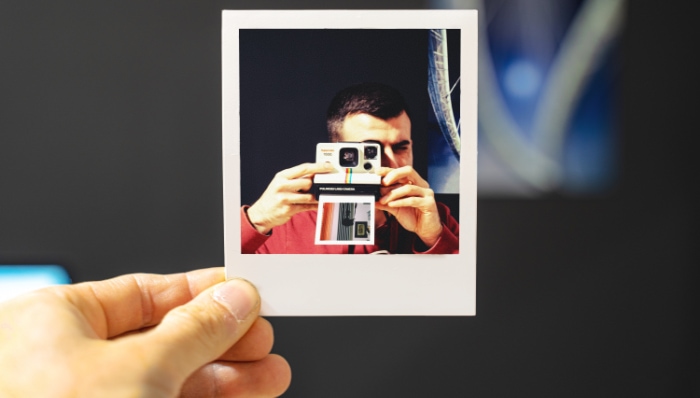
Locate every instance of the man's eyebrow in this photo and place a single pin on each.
(402, 143)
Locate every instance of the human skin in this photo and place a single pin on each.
(404, 193)
(140, 335)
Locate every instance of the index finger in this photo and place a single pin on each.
(131, 302)
(405, 174)
(306, 169)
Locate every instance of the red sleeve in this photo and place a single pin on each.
(251, 239)
(295, 236)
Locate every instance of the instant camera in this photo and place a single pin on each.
(355, 165)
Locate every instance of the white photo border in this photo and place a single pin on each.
(345, 285)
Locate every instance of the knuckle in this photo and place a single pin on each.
(208, 328)
(280, 175)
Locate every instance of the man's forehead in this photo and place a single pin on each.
(365, 127)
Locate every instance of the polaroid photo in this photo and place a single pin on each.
(345, 220)
(349, 133)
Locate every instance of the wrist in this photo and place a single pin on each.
(430, 240)
(255, 221)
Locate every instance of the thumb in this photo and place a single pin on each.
(200, 331)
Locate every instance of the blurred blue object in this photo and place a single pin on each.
(548, 73)
(18, 279)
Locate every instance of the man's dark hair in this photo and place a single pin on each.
(376, 99)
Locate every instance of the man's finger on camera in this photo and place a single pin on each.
(297, 185)
(415, 202)
(402, 175)
(299, 198)
(305, 170)
(406, 191)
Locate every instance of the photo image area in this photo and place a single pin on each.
(345, 219)
(289, 76)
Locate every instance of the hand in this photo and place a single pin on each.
(140, 335)
(408, 197)
(286, 195)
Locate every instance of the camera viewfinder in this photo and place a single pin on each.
(370, 152)
(348, 157)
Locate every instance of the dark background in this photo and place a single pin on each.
(110, 140)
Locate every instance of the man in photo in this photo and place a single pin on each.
(408, 219)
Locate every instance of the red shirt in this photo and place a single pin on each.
(298, 234)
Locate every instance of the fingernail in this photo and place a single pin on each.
(239, 296)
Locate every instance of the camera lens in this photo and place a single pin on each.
(368, 166)
(370, 152)
(348, 157)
